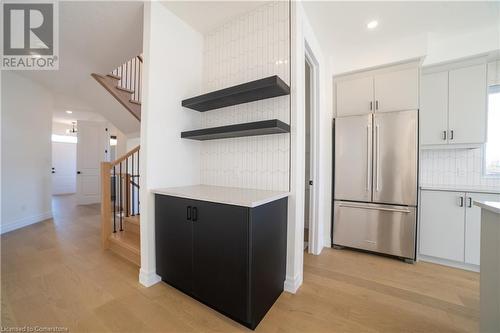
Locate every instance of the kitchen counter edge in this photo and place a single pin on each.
(452, 188)
(244, 197)
(492, 206)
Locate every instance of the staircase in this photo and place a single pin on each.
(120, 218)
(124, 84)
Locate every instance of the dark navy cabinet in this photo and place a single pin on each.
(231, 258)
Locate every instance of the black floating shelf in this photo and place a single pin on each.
(256, 90)
(265, 127)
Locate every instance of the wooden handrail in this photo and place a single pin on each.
(140, 58)
(127, 155)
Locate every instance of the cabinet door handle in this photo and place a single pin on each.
(376, 105)
(451, 135)
(371, 106)
(444, 135)
(461, 201)
(188, 213)
(470, 202)
(195, 214)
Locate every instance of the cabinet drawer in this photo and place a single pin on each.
(381, 228)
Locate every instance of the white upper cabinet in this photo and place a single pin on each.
(386, 89)
(434, 109)
(354, 96)
(397, 90)
(467, 109)
(453, 106)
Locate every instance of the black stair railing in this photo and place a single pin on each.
(124, 181)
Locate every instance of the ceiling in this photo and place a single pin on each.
(204, 16)
(340, 25)
(60, 116)
(94, 37)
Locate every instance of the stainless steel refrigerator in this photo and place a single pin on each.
(375, 182)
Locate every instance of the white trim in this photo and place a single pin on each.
(315, 237)
(449, 263)
(25, 221)
(291, 285)
(147, 279)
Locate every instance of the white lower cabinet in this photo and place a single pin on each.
(450, 225)
(442, 224)
(473, 225)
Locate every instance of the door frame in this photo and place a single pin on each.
(315, 236)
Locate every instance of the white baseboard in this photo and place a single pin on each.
(25, 221)
(147, 279)
(292, 284)
(450, 263)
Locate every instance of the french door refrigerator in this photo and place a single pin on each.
(375, 189)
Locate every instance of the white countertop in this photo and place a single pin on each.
(462, 188)
(226, 195)
(492, 206)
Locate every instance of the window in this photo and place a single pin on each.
(492, 151)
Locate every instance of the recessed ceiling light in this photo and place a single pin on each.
(69, 112)
(372, 24)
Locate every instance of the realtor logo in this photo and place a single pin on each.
(29, 36)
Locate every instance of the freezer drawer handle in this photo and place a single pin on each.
(406, 211)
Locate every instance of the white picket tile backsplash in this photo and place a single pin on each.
(455, 167)
(250, 47)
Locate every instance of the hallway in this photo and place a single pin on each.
(54, 273)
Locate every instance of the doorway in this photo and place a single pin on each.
(63, 167)
(91, 150)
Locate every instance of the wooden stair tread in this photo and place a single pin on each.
(109, 83)
(135, 102)
(136, 219)
(113, 76)
(130, 91)
(129, 240)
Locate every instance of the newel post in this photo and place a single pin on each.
(105, 203)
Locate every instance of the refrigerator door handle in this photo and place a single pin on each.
(377, 157)
(398, 210)
(368, 157)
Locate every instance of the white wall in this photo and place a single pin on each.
(302, 35)
(251, 46)
(173, 54)
(435, 48)
(26, 152)
(60, 128)
(133, 142)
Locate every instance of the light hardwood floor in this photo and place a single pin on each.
(55, 274)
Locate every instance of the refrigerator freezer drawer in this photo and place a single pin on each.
(373, 227)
